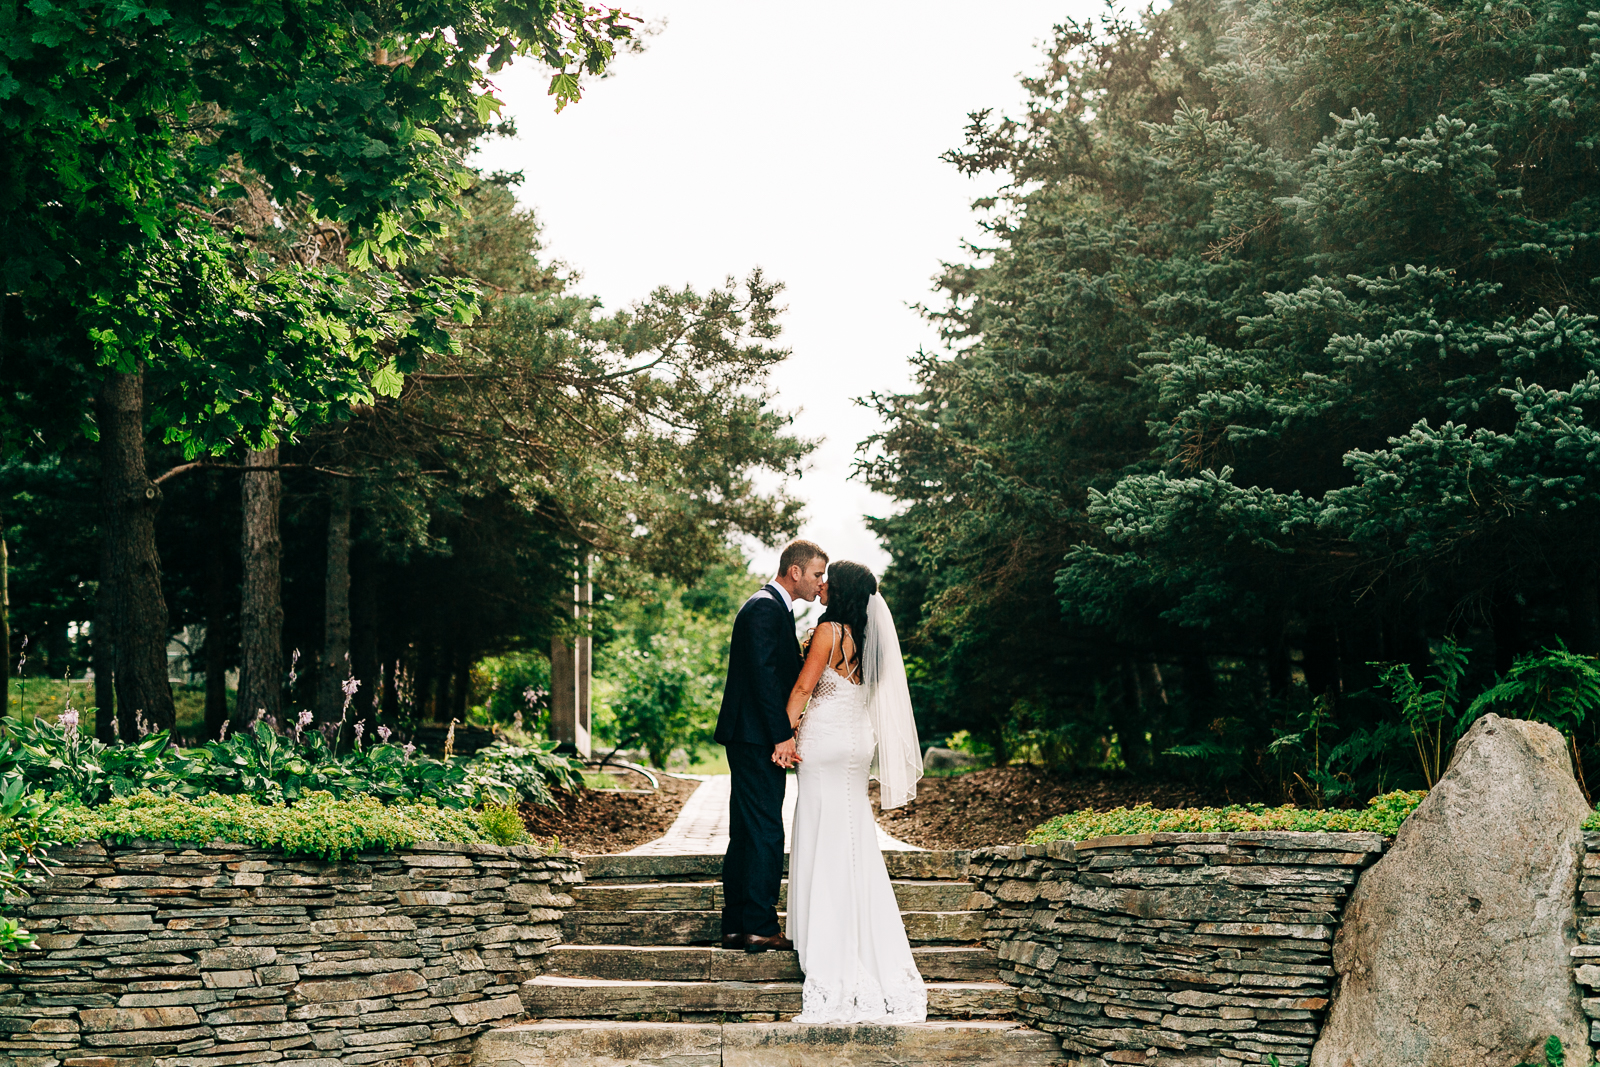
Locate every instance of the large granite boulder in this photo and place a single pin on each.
(947, 759)
(1454, 949)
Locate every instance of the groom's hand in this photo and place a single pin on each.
(786, 754)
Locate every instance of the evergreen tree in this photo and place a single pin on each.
(1339, 263)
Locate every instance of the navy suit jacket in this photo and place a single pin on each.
(763, 665)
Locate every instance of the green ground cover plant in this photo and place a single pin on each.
(318, 824)
(1382, 815)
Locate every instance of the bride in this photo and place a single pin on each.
(851, 700)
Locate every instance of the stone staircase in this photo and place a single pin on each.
(639, 983)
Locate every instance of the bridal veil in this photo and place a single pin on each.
(889, 707)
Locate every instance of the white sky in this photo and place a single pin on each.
(801, 138)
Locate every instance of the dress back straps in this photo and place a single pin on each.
(839, 629)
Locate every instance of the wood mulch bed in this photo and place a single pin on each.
(593, 822)
(1000, 805)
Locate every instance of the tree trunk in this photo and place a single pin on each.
(1583, 609)
(423, 680)
(335, 666)
(103, 649)
(1280, 669)
(261, 607)
(392, 672)
(5, 630)
(1321, 660)
(462, 686)
(1506, 622)
(139, 611)
(216, 650)
(1130, 719)
(366, 662)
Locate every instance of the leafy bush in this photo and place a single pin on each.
(505, 772)
(274, 768)
(518, 687)
(1382, 815)
(502, 824)
(271, 767)
(58, 758)
(1553, 686)
(25, 822)
(318, 824)
(664, 695)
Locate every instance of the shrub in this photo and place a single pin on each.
(505, 772)
(57, 758)
(25, 822)
(273, 768)
(318, 824)
(1382, 815)
(502, 824)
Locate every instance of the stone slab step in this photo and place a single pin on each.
(705, 927)
(554, 997)
(681, 963)
(942, 865)
(611, 1044)
(707, 896)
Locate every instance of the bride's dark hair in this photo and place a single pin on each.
(850, 585)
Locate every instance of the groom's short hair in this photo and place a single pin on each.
(798, 553)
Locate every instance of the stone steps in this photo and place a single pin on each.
(553, 997)
(707, 896)
(705, 927)
(638, 983)
(645, 1044)
(684, 963)
(601, 870)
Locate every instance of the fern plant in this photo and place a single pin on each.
(1553, 686)
(1426, 709)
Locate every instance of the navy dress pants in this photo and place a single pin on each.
(752, 871)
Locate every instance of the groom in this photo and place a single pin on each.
(763, 664)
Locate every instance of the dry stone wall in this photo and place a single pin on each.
(1174, 949)
(156, 956)
(1586, 954)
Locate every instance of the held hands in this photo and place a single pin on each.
(786, 754)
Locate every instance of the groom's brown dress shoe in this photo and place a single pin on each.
(733, 941)
(754, 943)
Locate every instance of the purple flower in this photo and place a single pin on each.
(69, 721)
(409, 749)
(222, 734)
(360, 729)
(305, 719)
(383, 734)
(350, 685)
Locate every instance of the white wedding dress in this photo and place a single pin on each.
(843, 917)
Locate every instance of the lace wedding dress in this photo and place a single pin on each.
(843, 917)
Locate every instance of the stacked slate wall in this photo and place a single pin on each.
(1586, 954)
(1174, 949)
(158, 956)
